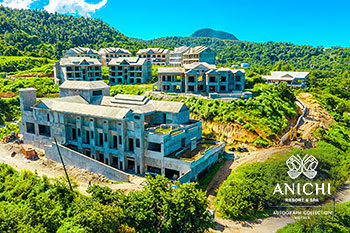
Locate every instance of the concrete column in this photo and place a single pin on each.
(162, 161)
(196, 83)
(207, 82)
(186, 83)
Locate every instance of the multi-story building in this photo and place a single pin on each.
(82, 52)
(107, 54)
(294, 79)
(199, 54)
(200, 78)
(176, 57)
(127, 132)
(77, 68)
(157, 56)
(129, 70)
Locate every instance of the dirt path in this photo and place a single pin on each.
(52, 169)
(316, 117)
(244, 158)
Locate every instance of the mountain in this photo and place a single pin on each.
(207, 32)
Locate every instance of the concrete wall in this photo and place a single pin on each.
(73, 158)
(207, 160)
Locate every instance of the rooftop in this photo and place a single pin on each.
(181, 49)
(128, 60)
(82, 108)
(83, 85)
(199, 65)
(79, 61)
(171, 70)
(143, 104)
(196, 50)
(114, 50)
(153, 51)
(286, 75)
(82, 50)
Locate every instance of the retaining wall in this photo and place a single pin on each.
(76, 159)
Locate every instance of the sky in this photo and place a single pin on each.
(301, 22)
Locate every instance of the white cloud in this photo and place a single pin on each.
(74, 6)
(18, 4)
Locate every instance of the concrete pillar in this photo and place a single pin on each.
(27, 97)
(162, 161)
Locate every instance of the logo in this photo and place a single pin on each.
(305, 166)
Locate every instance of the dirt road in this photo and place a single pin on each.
(316, 117)
(52, 169)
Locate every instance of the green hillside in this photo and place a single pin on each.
(39, 33)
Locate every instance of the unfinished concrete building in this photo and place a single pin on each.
(107, 54)
(129, 70)
(157, 56)
(176, 57)
(82, 52)
(199, 54)
(201, 78)
(77, 68)
(126, 132)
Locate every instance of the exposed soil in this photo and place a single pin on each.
(52, 169)
(316, 117)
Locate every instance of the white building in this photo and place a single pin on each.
(77, 68)
(129, 70)
(107, 54)
(294, 79)
(157, 56)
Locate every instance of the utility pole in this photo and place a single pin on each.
(64, 167)
(333, 198)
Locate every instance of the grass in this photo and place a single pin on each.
(204, 181)
(161, 130)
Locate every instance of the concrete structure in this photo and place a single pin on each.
(176, 57)
(201, 78)
(76, 159)
(92, 92)
(107, 54)
(82, 52)
(294, 79)
(77, 68)
(199, 54)
(129, 70)
(130, 133)
(157, 56)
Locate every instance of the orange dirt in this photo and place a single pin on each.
(316, 117)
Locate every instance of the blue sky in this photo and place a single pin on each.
(310, 22)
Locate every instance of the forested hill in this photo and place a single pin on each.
(207, 32)
(39, 33)
(266, 56)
